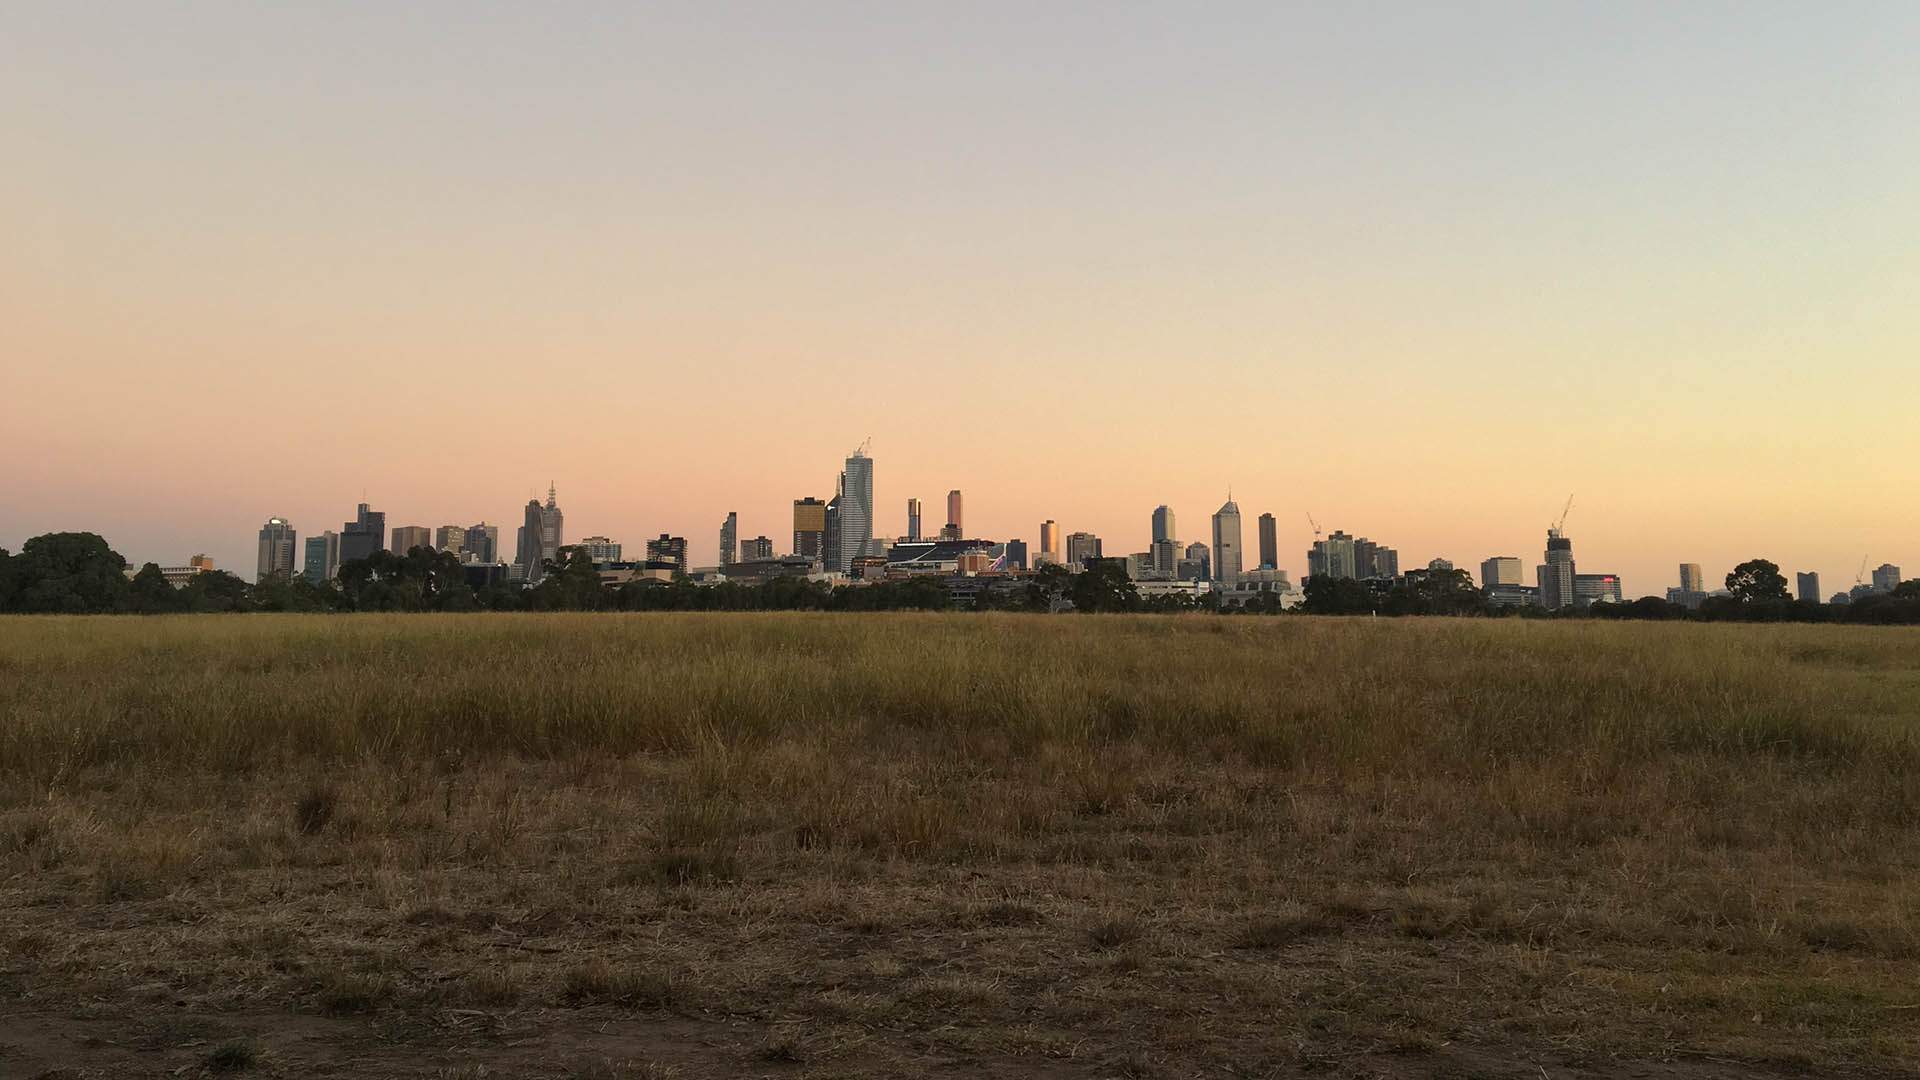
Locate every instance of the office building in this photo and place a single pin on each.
(830, 545)
(1049, 541)
(1196, 565)
(277, 542)
(1596, 588)
(482, 544)
(1269, 543)
(1808, 587)
(450, 538)
(180, 576)
(809, 527)
(1555, 576)
(1226, 542)
(1010, 556)
(1163, 524)
(362, 536)
(759, 549)
(322, 560)
(954, 524)
(1691, 579)
(913, 520)
(1082, 549)
(1166, 555)
(1886, 578)
(1502, 570)
(729, 539)
(1332, 557)
(856, 509)
(668, 549)
(540, 538)
(601, 550)
(408, 537)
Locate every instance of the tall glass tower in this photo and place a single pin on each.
(856, 508)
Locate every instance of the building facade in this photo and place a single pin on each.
(1555, 576)
(322, 561)
(809, 527)
(913, 520)
(668, 549)
(1163, 524)
(759, 549)
(1691, 578)
(408, 537)
(602, 550)
(1501, 570)
(364, 535)
(1082, 549)
(856, 509)
(1269, 543)
(1886, 577)
(482, 544)
(1226, 542)
(729, 539)
(277, 549)
(1049, 542)
(1808, 587)
(954, 523)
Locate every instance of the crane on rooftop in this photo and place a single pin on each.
(1559, 528)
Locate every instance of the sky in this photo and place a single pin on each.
(1421, 271)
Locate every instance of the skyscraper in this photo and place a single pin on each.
(1333, 557)
(1163, 523)
(276, 549)
(830, 538)
(729, 538)
(1691, 579)
(1555, 576)
(1886, 577)
(809, 527)
(1269, 543)
(913, 521)
(856, 508)
(1501, 570)
(452, 538)
(408, 537)
(953, 514)
(322, 560)
(1226, 542)
(1049, 541)
(1082, 549)
(538, 541)
(1808, 587)
(758, 549)
(1013, 555)
(1197, 564)
(364, 535)
(482, 544)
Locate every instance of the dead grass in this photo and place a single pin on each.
(1086, 846)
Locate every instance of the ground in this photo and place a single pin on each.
(1008, 846)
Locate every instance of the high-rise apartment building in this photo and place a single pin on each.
(1886, 577)
(1082, 549)
(913, 521)
(1691, 579)
(1374, 561)
(1269, 543)
(856, 509)
(1555, 576)
(1227, 552)
(277, 545)
(322, 560)
(668, 549)
(1163, 523)
(758, 549)
(1049, 541)
(408, 537)
(954, 524)
(1808, 587)
(729, 538)
(601, 549)
(809, 527)
(364, 535)
(1501, 570)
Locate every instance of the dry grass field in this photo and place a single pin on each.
(902, 845)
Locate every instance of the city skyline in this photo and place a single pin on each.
(1655, 256)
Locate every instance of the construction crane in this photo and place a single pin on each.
(1861, 577)
(1559, 528)
(1316, 526)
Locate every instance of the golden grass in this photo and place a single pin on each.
(860, 844)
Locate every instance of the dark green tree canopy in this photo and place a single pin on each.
(1757, 581)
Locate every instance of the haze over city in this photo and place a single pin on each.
(1419, 274)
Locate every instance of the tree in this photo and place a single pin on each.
(571, 583)
(1338, 596)
(1104, 586)
(69, 572)
(1435, 592)
(217, 591)
(1048, 588)
(149, 593)
(1757, 581)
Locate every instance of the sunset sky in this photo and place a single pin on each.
(1420, 270)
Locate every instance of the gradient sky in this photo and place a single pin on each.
(1419, 272)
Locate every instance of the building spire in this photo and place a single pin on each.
(551, 501)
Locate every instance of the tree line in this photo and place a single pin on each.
(79, 573)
